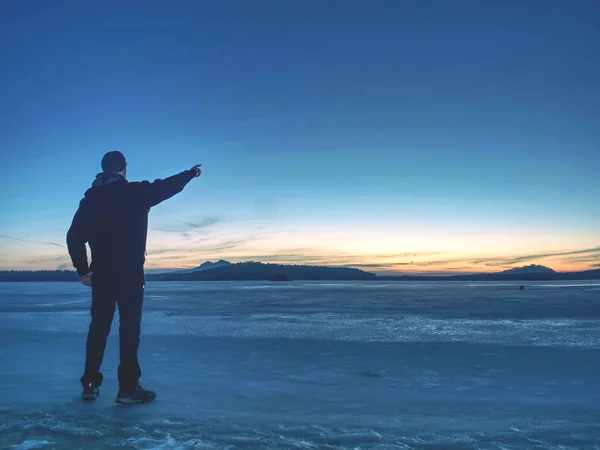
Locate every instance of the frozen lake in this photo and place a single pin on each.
(301, 365)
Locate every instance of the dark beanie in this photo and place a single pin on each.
(113, 162)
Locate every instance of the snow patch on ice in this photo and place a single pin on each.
(27, 445)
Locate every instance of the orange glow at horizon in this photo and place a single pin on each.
(409, 250)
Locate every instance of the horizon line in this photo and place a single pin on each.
(364, 268)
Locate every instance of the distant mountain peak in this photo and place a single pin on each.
(212, 265)
(532, 268)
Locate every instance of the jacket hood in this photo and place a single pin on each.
(103, 179)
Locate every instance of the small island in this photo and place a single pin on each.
(279, 277)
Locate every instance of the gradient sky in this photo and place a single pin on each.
(408, 136)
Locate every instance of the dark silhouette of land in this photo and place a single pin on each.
(206, 266)
(38, 275)
(256, 271)
(501, 276)
(280, 277)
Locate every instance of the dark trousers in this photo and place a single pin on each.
(126, 292)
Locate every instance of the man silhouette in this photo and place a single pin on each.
(113, 218)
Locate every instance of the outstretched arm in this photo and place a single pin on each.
(77, 236)
(161, 190)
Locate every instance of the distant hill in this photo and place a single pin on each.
(533, 268)
(256, 271)
(206, 266)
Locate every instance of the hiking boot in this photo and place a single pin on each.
(90, 393)
(138, 395)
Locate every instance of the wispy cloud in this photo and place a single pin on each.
(316, 256)
(429, 263)
(592, 257)
(193, 255)
(583, 255)
(29, 241)
(535, 256)
(228, 244)
(174, 257)
(164, 251)
(335, 256)
(184, 228)
(368, 266)
(48, 259)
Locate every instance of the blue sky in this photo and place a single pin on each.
(342, 132)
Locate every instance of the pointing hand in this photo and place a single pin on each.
(197, 170)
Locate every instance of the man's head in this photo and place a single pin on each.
(114, 162)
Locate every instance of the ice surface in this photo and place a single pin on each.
(27, 445)
(356, 365)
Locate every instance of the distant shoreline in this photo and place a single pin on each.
(254, 271)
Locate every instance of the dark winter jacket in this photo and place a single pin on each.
(113, 219)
